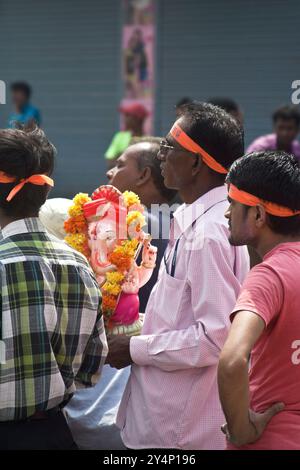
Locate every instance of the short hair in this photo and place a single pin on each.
(182, 101)
(23, 87)
(273, 176)
(24, 153)
(215, 130)
(287, 112)
(228, 104)
(148, 158)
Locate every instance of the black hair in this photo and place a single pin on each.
(148, 158)
(182, 101)
(24, 153)
(225, 103)
(287, 113)
(273, 176)
(215, 131)
(23, 87)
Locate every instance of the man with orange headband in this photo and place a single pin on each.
(262, 409)
(51, 327)
(171, 399)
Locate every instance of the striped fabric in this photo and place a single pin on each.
(51, 321)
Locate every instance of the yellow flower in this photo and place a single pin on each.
(75, 210)
(131, 198)
(135, 217)
(78, 241)
(81, 198)
(114, 277)
(112, 289)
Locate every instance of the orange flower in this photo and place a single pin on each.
(109, 303)
(76, 224)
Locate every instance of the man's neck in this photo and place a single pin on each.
(267, 244)
(151, 196)
(192, 192)
(5, 220)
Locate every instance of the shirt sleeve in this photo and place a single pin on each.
(211, 278)
(94, 355)
(262, 293)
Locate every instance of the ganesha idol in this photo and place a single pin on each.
(115, 238)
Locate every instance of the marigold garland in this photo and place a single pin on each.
(76, 226)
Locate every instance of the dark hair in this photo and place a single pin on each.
(148, 158)
(21, 86)
(225, 103)
(286, 113)
(24, 153)
(215, 131)
(273, 176)
(182, 101)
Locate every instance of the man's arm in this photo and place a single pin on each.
(243, 425)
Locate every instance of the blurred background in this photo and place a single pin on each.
(72, 55)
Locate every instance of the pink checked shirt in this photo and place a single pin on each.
(171, 398)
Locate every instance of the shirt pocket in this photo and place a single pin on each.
(171, 298)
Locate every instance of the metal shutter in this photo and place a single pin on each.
(69, 51)
(247, 50)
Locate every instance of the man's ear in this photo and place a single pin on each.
(260, 216)
(197, 165)
(145, 176)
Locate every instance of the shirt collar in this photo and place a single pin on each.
(187, 214)
(28, 225)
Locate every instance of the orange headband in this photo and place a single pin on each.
(250, 200)
(39, 180)
(186, 142)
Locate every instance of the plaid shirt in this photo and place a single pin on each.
(51, 326)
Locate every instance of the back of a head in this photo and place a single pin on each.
(24, 153)
(214, 130)
(53, 214)
(287, 113)
(228, 104)
(22, 87)
(273, 176)
(148, 158)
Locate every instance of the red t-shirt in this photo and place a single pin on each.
(272, 291)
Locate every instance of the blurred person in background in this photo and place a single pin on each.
(25, 113)
(286, 125)
(230, 106)
(134, 117)
(92, 413)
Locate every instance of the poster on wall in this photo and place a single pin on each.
(138, 37)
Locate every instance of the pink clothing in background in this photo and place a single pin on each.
(269, 142)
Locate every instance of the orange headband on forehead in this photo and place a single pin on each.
(250, 200)
(39, 180)
(186, 142)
